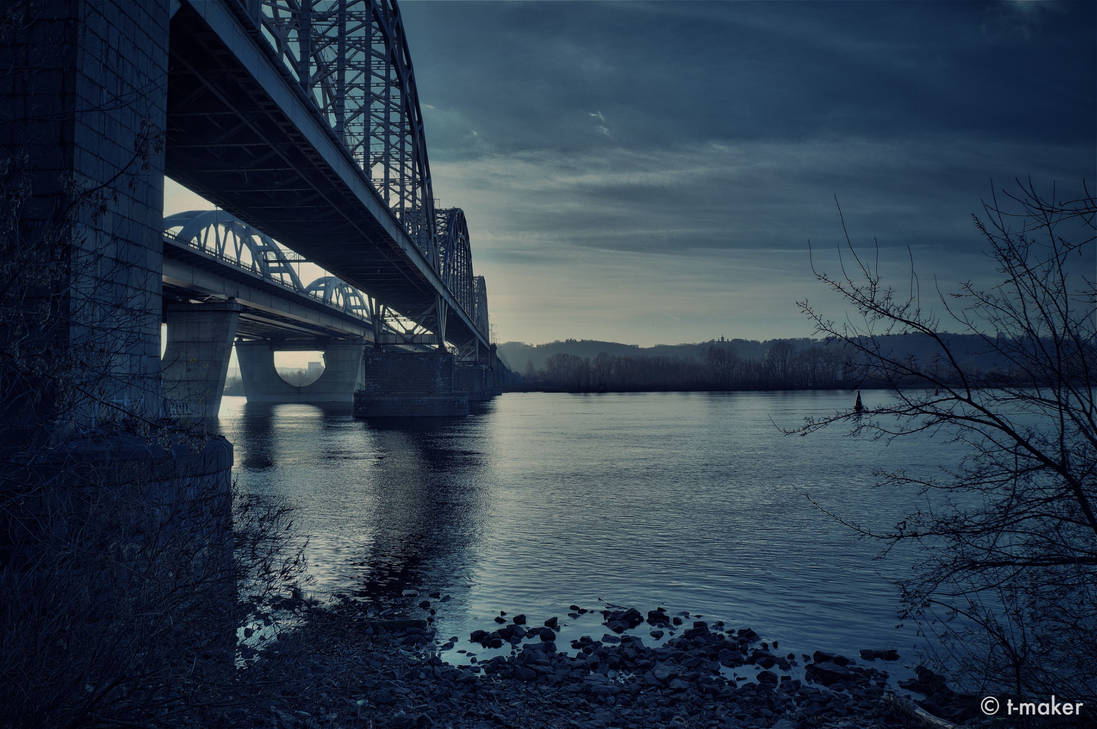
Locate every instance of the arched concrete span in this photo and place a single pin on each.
(341, 377)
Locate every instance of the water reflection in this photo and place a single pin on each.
(389, 507)
(427, 512)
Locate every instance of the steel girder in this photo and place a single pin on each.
(480, 306)
(352, 60)
(351, 57)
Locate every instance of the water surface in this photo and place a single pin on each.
(691, 501)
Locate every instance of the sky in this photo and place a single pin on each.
(653, 172)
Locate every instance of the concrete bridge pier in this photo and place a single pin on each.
(196, 359)
(476, 379)
(410, 384)
(341, 377)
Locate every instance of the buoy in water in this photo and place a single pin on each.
(858, 407)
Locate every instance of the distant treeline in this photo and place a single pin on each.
(780, 364)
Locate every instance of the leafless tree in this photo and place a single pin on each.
(1008, 572)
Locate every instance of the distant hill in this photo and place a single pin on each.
(518, 356)
(522, 358)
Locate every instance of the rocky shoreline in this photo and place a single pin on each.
(345, 667)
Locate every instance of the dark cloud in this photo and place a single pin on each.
(596, 146)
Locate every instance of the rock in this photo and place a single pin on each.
(678, 684)
(657, 634)
(553, 623)
(925, 682)
(885, 655)
(396, 624)
(545, 634)
(519, 619)
(767, 678)
(500, 619)
(828, 673)
(621, 620)
(821, 657)
(658, 618)
(728, 657)
(664, 671)
(424, 604)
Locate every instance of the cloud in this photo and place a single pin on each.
(688, 199)
(714, 235)
(601, 127)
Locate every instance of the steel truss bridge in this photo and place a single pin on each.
(212, 253)
(301, 119)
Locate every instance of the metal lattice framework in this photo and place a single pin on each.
(234, 242)
(351, 59)
(223, 236)
(455, 255)
(480, 304)
(338, 293)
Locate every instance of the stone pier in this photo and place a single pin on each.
(83, 103)
(476, 379)
(197, 357)
(409, 384)
(341, 377)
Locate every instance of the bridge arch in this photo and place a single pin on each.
(338, 293)
(455, 256)
(221, 234)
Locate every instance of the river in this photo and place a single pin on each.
(691, 501)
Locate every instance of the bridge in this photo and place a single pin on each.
(211, 255)
(300, 120)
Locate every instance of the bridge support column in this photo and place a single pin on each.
(82, 111)
(341, 377)
(409, 384)
(197, 357)
(475, 379)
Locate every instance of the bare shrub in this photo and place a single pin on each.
(1008, 577)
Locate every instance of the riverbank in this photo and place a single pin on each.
(343, 667)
